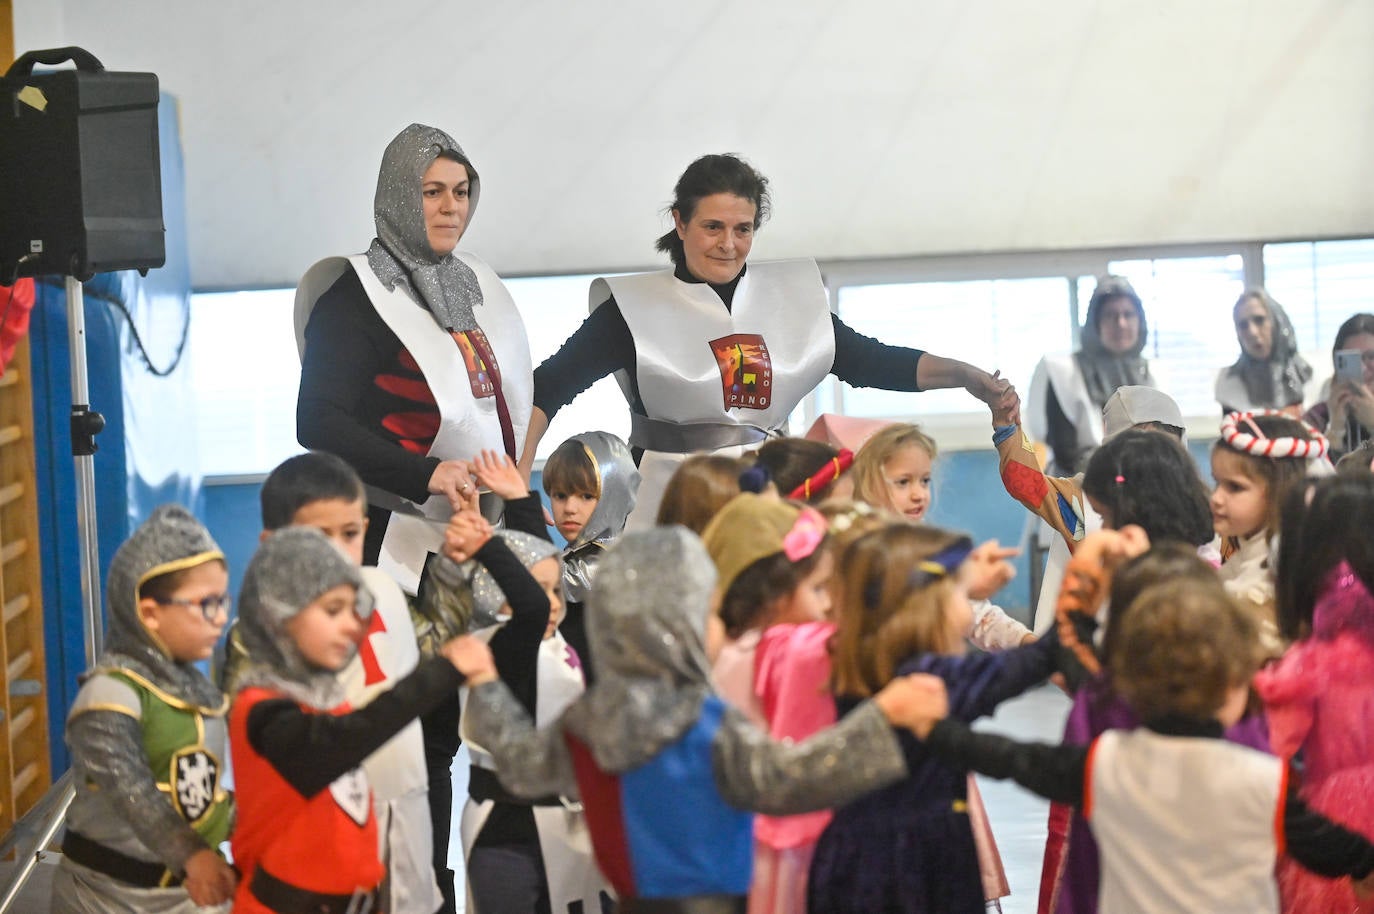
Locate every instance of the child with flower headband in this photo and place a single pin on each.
(1259, 457)
(772, 567)
(775, 564)
(911, 847)
(1317, 695)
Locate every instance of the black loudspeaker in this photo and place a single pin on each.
(80, 180)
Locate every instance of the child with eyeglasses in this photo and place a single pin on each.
(147, 735)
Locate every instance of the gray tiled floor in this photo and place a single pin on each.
(1018, 817)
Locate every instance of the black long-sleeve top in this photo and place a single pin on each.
(604, 344)
(311, 750)
(1058, 773)
(515, 648)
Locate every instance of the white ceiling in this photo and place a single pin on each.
(887, 128)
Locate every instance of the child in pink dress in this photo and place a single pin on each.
(1320, 695)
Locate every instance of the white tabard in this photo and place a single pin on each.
(697, 362)
(468, 424)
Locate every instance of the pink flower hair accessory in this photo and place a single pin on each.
(806, 534)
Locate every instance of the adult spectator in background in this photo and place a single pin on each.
(1067, 393)
(1270, 373)
(1345, 411)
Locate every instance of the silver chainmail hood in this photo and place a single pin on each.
(401, 252)
(487, 595)
(646, 624)
(171, 539)
(617, 480)
(290, 570)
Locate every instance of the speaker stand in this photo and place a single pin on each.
(85, 425)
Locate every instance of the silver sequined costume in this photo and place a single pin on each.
(617, 480)
(288, 573)
(646, 621)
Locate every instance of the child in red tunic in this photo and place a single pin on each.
(306, 838)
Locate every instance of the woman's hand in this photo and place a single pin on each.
(209, 880)
(453, 480)
(471, 657)
(988, 569)
(499, 473)
(917, 702)
(467, 532)
(1359, 403)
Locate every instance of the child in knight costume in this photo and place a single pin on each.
(147, 735)
(298, 745)
(523, 854)
(591, 481)
(665, 767)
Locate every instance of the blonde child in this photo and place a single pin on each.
(147, 735)
(1257, 460)
(893, 471)
(1317, 695)
(910, 847)
(1185, 820)
(297, 744)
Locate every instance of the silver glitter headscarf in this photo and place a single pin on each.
(401, 252)
(1103, 370)
(171, 539)
(646, 624)
(290, 570)
(1275, 382)
(487, 595)
(617, 483)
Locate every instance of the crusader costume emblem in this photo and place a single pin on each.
(195, 775)
(746, 370)
(353, 795)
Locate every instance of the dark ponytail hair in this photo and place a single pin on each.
(714, 174)
(1147, 478)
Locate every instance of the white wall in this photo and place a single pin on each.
(888, 128)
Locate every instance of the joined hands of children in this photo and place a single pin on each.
(471, 657)
(468, 531)
(209, 879)
(917, 702)
(988, 569)
(500, 474)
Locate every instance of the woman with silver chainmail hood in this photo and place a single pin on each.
(147, 733)
(297, 747)
(414, 359)
(652, 728)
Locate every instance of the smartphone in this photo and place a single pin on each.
(1349, 364)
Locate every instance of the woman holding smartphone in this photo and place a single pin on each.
(1345, 414)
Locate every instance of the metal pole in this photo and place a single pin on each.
(83, 450)
(48, 817)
